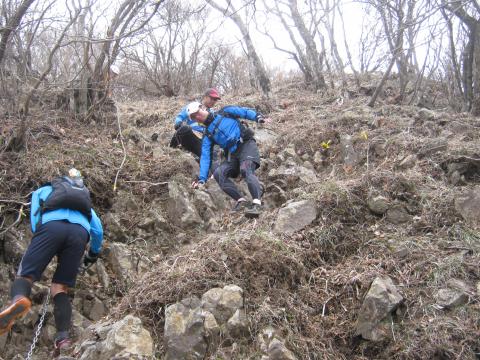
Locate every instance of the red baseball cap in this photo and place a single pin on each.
(213, 93)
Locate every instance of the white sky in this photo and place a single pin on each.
(264, 46)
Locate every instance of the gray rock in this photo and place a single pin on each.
(449, 298)
(295, 216)
(127, 339)
(124, 263)
(382, 298)
(223, 303)
(293, 173)
(378, 205)
(278, 351)
(185, 333)
(113, 225)
(468, 206)
(237, 325)
(181, 210)
(95, 309)
(426, 114)
(350, 156)
(15, 245)
(273, 346)
(205, 206)
(265, 137)
(102, 274)
(398, 215)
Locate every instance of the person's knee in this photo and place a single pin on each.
(57, 288)
(247, 168)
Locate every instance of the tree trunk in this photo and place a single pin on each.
(12, 24)
(260, 73)
(476, 72)
(312, 54)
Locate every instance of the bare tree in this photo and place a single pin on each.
(12, 24)
(260, 72)
(468, 12)
(312, 54)
(305, 53)
(170, 54)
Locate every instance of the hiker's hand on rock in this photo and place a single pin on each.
(262, 119)
(198, 184)
(90, 258)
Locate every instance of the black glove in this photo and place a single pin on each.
(90, 258)
(178, 125)
(260, 118)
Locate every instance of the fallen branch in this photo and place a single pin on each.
(19, 218)
(123, 147)
(15, 202)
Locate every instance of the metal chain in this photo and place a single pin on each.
(39, 326)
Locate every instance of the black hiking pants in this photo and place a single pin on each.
(185, 137)
(58, 238)
(243, 162)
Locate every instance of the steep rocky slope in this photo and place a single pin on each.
(368, 246)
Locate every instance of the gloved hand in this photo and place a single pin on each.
(262, 119)
(90, 258)
(198, 184)
(178, 125)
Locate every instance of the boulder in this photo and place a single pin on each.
(265, 137)
(350, 156)
(398, 215)
(223, 303)
(273, 346)
(449, 298)
(378, 205)
(468, 206)
(128, 337)
(293, 173)
(278, 351)
(185, 333)
(382, 298)
(295, 216)
(115, 229)
(426, 114)
(237, 325)
(125, 339)
(123, 262)
(181, 210)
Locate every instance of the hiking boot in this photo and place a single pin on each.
(239, 206)
(17, 309)
(62, 347)
(253, 211)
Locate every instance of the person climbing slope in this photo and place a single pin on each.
(237, 140)
(62, 221)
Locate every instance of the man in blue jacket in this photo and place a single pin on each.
(62, 222)
(237, 140)
(188, 133)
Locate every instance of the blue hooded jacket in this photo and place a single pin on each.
(94, 227)
(223, 130)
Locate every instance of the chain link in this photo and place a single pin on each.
(39, 326)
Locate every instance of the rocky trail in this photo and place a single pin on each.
(368, 246)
